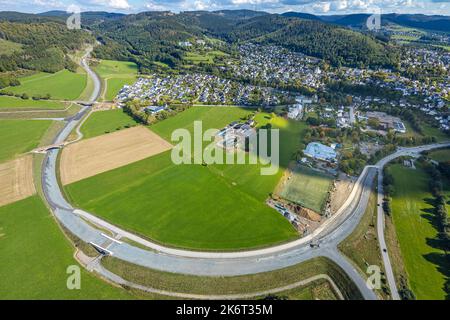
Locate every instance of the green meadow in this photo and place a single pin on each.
(207, 57)
(62, 85)
(102, 122)
(115, 74)
(35, 257)
(20, 136)
(413, 219)
(442, 155)
(7, 102)
(210, 207)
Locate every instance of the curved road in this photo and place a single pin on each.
(329, 235)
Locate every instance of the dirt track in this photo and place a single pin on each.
(16, 180)
(100, 154)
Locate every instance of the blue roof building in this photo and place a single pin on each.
(319, 151)
(153, 109)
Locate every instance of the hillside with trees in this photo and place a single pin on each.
(44, 45)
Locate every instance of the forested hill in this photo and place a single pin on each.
(43, 45)
(337, 45)
(151, 36)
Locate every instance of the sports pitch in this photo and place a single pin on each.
(307, 188)
(214, 207)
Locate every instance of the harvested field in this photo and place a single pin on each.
(16, 180)
(100, 154)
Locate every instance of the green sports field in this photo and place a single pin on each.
(102, 122)
(115, 74)
(413, 221)
(62, 85)
(20, 136)
(14, 103)
(35, 256)
(308, 188)
(214, 207)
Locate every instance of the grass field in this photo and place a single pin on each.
(102, 122)
(207, 57)
(14, 103)
(427, 131)
(217, 207)
(20, 136)
(240, 284)
(62, 85)
(36, 256)
(307, 188)
(441, 155)
(9, 47)
(415, 231)
(115, 74)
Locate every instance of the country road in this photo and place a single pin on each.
(158, 257)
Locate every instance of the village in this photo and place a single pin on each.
(200, 89)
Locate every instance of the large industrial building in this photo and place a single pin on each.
(320, 151)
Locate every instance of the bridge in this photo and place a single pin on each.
(49, 147)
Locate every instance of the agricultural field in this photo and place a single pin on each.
(413, 220)
(36, 256)
(20, 136)
(14, 103)
(115, 74)
(100, 154)
(9, 47)
(16, 180)
(102, 122)
(62, 85)
(218, 207)
(307, 188)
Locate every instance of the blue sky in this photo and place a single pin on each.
(276, 6)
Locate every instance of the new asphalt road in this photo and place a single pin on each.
(334, 231)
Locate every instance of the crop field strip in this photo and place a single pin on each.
(104, 153)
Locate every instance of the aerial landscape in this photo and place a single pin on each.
(225, 150)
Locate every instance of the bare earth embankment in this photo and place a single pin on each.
(16, 180)
(104, 153)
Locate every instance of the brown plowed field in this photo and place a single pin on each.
(100, 154)
(16, 180)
